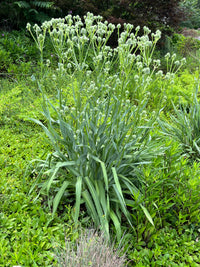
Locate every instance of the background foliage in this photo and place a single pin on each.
(192, 7)
(15, 14)
(154, 14)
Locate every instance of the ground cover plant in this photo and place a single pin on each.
(16, 51)
(19, 142)
(106, 162)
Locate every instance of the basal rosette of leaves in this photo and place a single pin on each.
(97, 158)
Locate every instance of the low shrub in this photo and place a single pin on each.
(92, 249)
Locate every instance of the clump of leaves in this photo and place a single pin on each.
(97, 157)
(185, 128)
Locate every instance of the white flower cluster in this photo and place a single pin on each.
(81, 46)
(40, 35)
(173, 65)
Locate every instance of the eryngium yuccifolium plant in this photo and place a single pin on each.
(91, 249)
(96, 161)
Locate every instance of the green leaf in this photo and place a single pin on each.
(46, 130)
(104, 200)
(118, 190)
(103, 167)
(147, 214)
(78, 198)
(42, 4)
(132, 188)
(56, 169)
(117, 224)
(59, 195)
(22, 4)
(90, 205)
(117, 183)
(94, 197)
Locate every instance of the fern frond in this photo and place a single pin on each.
(22, 4)
(42, 4)
(41, 17)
